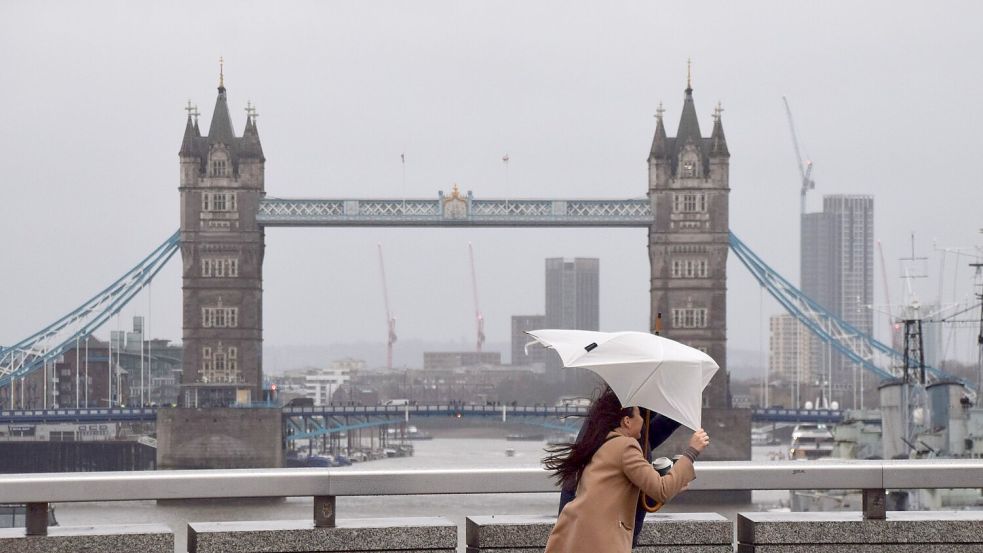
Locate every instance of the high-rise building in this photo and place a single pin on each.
(536, 354)
(572, 293)
(572, 299)
(789, 359)
(838, 273)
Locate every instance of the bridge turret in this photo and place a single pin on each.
(659, 165)
(222, 249)
(719, 153)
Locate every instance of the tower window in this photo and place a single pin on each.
(220, 267)
(219, 317)
(689, 202)
(220, 365)
(218, 167)
(689, 317)
(218, 201)
(689, 268)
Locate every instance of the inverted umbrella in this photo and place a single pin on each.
(642, 369)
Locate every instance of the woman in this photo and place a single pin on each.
(609, 470)
(655, 431)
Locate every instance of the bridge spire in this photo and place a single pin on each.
(220, 130)
(689, 75)
(689, 123)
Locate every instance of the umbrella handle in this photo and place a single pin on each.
(650, 505)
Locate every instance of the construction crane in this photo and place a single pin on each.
(390, 320)
(887, 297)
(479, 319)
(805, 167)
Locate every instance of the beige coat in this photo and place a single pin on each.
(601, 517)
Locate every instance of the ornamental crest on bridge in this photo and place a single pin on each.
(455, 206)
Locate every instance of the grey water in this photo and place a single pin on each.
(433, 454)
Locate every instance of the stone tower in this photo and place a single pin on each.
(688, 244)
(222, 254)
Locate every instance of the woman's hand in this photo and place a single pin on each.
(700, 440)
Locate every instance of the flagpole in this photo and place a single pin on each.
(505, 160)
(402, 160)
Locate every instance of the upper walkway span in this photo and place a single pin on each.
(455, 210)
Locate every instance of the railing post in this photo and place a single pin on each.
(875, 504)
(324, 511)
(37, 519)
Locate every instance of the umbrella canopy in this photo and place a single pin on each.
(642, 369)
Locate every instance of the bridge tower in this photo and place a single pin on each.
(222, 252)
(688, 243)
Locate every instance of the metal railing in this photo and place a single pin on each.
(149, 414)
(324, 485)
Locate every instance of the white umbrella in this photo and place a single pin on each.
(642, 369)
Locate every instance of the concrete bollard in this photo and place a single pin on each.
(849, 532)
(131, 538)
(423, 534)
(661, 533)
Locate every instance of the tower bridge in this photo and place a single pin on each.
(225, 213)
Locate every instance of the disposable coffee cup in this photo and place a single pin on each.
(662, 465)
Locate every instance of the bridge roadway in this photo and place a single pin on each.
(149, 414)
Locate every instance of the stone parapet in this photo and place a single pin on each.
(132, 538)
(661, 533)
(848, 532)
(406, 535)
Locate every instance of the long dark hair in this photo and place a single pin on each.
(567, 461)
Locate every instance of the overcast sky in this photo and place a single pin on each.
(886, 97)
